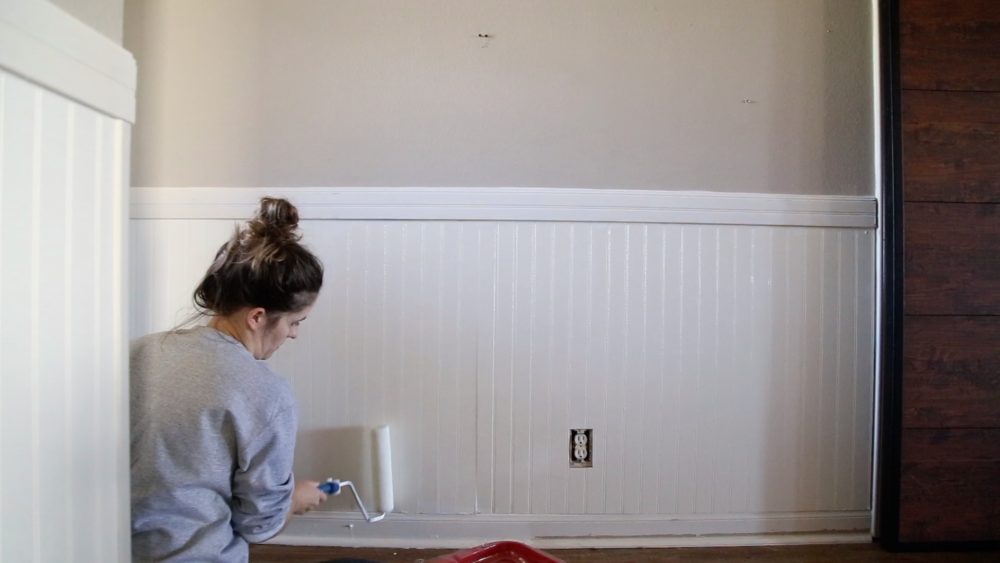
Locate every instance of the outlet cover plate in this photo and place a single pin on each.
(581, 447)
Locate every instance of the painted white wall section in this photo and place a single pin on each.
(725, 366)
(770, 96)
(64, 481)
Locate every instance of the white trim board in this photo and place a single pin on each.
(579, 531)
(47, 46)
(514, 204)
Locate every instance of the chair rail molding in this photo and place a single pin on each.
(513, 204)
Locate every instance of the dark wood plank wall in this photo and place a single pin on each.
(949, 62)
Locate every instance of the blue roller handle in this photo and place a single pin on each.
(330, 487)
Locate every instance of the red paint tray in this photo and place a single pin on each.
(498, 552)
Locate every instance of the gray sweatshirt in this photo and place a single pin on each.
(213, 433)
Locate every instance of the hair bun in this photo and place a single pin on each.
(262, 265)
(276, 219)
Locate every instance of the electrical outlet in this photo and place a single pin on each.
(581, 447)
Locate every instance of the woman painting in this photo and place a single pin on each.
(213, 428)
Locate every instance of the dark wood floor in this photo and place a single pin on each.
(866, 553)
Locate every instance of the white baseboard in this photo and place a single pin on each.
(584, 531)
(514, 204)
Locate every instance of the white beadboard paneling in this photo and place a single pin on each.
(487, 295)
(63, 405)
(18, 393)
(160, 253)
(48, 203)
(726, 370)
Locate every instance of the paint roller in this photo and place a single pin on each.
(383, 472)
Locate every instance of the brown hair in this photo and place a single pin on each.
(262, 265)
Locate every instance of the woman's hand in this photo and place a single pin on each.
(306, 496)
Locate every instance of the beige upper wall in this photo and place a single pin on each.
(106, 16)
(567, 93)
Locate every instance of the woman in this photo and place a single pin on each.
(213, 428)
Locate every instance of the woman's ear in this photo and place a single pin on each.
(256, 318)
